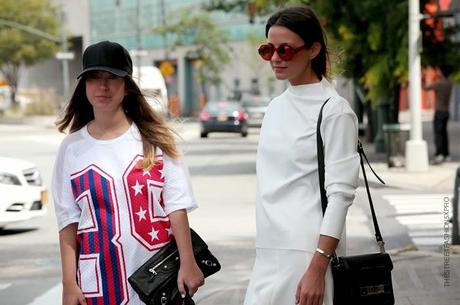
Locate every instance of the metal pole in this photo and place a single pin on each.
(65, 62)
(139, 39)
(455, 216)
(163, 23)
(416, 148)
(29, 29)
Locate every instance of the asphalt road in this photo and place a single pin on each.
(223, 177)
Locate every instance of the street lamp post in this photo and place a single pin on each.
(139, 39)
(416, 147)
(65, 62)
(163, 23)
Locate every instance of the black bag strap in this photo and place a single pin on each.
(362, 156)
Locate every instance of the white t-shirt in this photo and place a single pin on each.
(121, 210)
(288, 202)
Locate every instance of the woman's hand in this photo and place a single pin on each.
(72, 295)
(310, 290)
(189, 276)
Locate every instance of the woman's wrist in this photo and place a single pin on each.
(69, 282)
(323, 253)
(320, 263)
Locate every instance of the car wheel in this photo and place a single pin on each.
(204, 134)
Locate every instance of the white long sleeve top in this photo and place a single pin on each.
(288, 202)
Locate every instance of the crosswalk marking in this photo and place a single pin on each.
(423, 215)
(54, 140)
(4, 285)
(50, 297)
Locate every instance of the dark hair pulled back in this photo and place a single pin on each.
(303, 21)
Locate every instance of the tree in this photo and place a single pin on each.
(371, 41)
(196, 29)
(21, 47)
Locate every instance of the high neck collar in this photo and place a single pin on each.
(312, 89)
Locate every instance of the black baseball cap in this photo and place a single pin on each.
(107, 56)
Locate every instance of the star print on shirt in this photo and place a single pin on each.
(141, 214)
(154, 234)
(146, 173)
(137, 188)
(161, 172)
(169, 230)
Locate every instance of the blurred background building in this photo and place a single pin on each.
(47, 75)
(131, 22)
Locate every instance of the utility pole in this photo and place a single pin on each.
(139, 38)
(416, 147)
(65, 60)
(163, 23)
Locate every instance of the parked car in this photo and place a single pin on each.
(255, 106)
(22, 194)
(223, 116)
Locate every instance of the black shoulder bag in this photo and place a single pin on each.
(156, 280)
(360, 279)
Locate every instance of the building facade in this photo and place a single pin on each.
(130, 23)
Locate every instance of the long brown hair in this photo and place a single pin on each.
(154, 130)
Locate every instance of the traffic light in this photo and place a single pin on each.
(432, 25)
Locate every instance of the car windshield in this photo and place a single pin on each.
(255, 101)
(222, 105)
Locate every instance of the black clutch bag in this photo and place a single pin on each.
(156, 280)
(360, 279)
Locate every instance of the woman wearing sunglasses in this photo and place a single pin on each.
(294, 241)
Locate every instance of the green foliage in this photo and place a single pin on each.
(373, 36)
(197, 29)
(371, 40)
(18, 47)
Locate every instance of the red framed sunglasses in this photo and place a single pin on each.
(284, 51)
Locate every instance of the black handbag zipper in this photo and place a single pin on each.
(152, 270)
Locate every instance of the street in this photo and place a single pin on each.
(223, 177)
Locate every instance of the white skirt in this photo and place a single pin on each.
(277, 273)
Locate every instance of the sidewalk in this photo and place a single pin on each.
(420, 277)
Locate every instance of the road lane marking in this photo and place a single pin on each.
(50, 297)
(4, 286)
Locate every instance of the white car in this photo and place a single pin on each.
(22, 194)
(153, 86)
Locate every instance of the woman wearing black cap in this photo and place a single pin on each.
(120, 188)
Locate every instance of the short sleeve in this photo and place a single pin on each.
(177, 190)
(67, 211)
